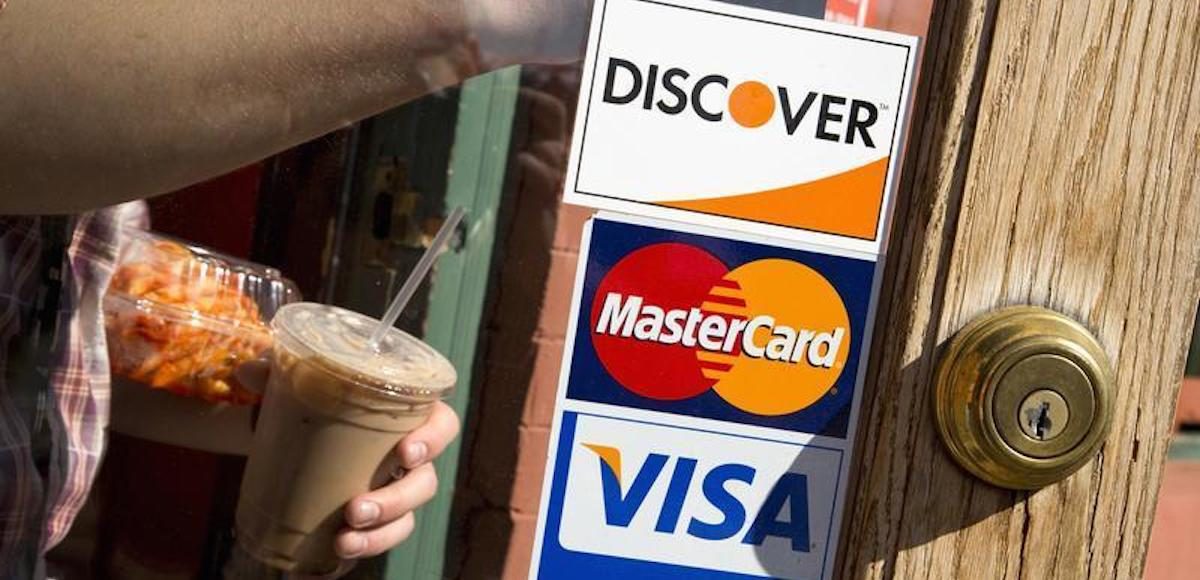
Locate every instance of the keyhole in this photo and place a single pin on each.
(1039, 420)
(1043, 415)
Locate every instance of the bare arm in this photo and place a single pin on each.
(103, 101)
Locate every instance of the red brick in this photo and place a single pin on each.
(1188, 411)
(531, 465)
(560, 284)
(520, 547)
(568, 231)
(1175, 538)
(543, 384)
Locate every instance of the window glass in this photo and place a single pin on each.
(345, 217)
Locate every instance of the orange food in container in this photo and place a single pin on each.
(181, 318)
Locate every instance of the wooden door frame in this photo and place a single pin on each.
(1092, 211)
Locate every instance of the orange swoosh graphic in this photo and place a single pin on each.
(611, 456)
(845, 204)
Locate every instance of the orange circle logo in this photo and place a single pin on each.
(797, 299)
(751, 104)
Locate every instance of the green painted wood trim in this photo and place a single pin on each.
(454, 321)
(1185, 446)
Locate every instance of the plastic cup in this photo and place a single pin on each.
(331, 417)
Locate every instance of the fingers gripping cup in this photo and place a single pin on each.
(332, 415)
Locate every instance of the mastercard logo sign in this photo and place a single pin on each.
(671, 321)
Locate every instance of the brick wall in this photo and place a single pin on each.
(1174, 552)
(505, 449)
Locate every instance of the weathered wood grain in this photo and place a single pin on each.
(1055, 161)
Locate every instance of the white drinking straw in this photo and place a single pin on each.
(414, 279)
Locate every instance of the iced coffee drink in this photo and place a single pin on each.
(332, 415)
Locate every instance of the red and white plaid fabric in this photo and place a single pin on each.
(36, 512)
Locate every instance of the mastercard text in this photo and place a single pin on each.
(631, 317)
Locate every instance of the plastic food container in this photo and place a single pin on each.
(181, 318)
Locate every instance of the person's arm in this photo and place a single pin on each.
(103, 101)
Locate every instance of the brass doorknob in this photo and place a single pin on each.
(1023, 397)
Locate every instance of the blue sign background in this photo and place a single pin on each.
(612, 241)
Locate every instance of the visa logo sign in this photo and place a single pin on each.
(676, 495)
(784, 513)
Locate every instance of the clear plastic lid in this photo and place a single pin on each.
(202, 283)
(403, 365)
(181, 317)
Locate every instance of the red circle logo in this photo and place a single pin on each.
(684, 276)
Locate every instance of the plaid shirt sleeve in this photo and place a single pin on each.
(36, 511)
